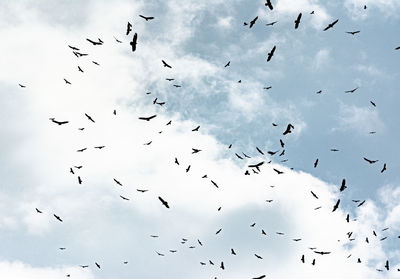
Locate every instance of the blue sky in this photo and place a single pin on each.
(197, 38)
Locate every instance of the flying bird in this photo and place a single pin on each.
(322, 252)
(259, 150)
(165, 64)
(330, 25)
(128, 28)
(271, 23)
(98, 266)
(351, 91)
(38, 211)
(148, 118)
(271, 53)
(99, 42)
(384, 168)
(353, 32)
(288, 129)
(269, 5)
(147, 18)
(133, 43)
(278, 171)
(66, 81)
(79, 180)
(58, 122)
(124, 198)
(370, 161)
(343, 186)
(227, 64)
(372, 103)
(315, 196)
(215, 184)
(21, 85)
(165, 203)
(336, 206)
(89, 117)
(297, 21)
(316, 163)
(258, 256)
(118, 41)
(57, 217)
(253, 22)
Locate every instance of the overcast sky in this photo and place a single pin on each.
(270, 219)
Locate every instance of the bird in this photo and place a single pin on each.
(351, 91)
(343, 186)
(80, 69)
(89, 117)
(58, 122)
(330, 25)
(315, 196)
(288, 129)
(84, 266)
(116, 181)
(353, 32)
(256, 165)
(78, 167)
(160, 254)
(57, 217)
(384, 168)
(81, 150)
(263, 232)
(361, 203)
(147, 18)
(370, 161)
(258, 256)
(170, 79)
(227, 64)
(196, 129)
(98, 266)
(176, 161)
(66, 81)
(38, 211)
(269, 5)
(79, 180)
(100, 147)
(165, 203)
(316, 163)
(148, 118)
(278, 171)
(259, 150)
(271, 23)
(73, 48)
(372, 103)
(124, 198)
(233, 251)
(195, 150)
(188, 168)
(387, 265)
(267, 88)
(118, 41)
(222, 265)
(397, 48)
(253, 22)
(281, 143)
(147, 143)
(142, 190)
(322, 252)
(336, 206)
(215, 184)
(240, 157)
(334, 150)
(319, 92)
(302, 258)
(99, 42)
(297, 21)
(271, 53)
(272, 153)
(21, 85)
(217, 232)
(133, 43)
(96, 63)
(177, 85)
(313, 262)
(128, 28)
(165, 64)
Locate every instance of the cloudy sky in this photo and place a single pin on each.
(257, 215)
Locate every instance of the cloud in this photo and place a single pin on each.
(321, 59)
(356, 8)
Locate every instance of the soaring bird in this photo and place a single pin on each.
(271, 53)
(21, 85)
(148, 118)
(259, 150)
(165, 203)
(124, 198)
(343, 186)
(99, 42)
(165, 64)
(315, 196)
(384, 168)
(196, 129)
(233, 251)
(38, 211)
(227, 64)
(58, 122)
(351, 91)
(316, 163)
(66, 81)
(116, 181)
(297, 21)
(214, 183)
(271, 23)
(57, 217)
(128, 28)
(253, 22)
(98, 266)
(269, 5)
(278, 171)
(288, 129)
(258, 256)
(353, 32)
(89, 117)
(133, 43)
(336, 206)
(330, 25)
(147, 18)
(370, 161)
(79, 180)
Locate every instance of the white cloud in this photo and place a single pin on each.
(321, 59)
(357, 11)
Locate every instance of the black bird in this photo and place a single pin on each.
(84, 266)
(240, 157)
(79, 54)
(316, 163)
(80, 69)
(194, 150)
(176, 161)
(217, 232)
(259, 150)
(228, 64)
(78, 167)
(387, 265)
(271, 23)
(124, 198)
(319, 92)
(94, 62)
(272, 153)
(58, 218)
(222, 265)
(170, 79)
(73, 48)
(163, 202)
(334, 150)
(98, 266)
(169, 123)
(160, 254)
(278, 171)
(165, 64)
(215, 184)
(177, 85)
(148, 118)
(38, 211)
(147, 143)
(188, 168)
(58, 122)
(313, 262)
(100, 42)
(247, 156)
(397, 48)
(384, 168)
(116, 181)
(336, 205)
(133, 43)
(343, 186)
(147, 18)
(142, 190)
(79, 180)
(370, 161)
(253, 22)
(128, 28)
(258, 256)
(302, 258)
(361, 203)
(322, 252)
(267, 88)
(196, 129)
(269, 5)
(288, 129)
(81, 150)
(89, 117)
(66, 81)
(353, 32)
(372, 103)
(282, 143)
(233, 251)
(297, 21)
(271, 53)
(351, 91)
(21, 85)
(330, 25)
(315, 196)
(118, 41)
(259, 277)
(348, 218)
(100, 147)
(256, 165)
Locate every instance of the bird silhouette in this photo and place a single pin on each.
(370, 161)
(297, 21)
(227, 64)
(343, 186)
(148, 118)
(89, 117)
(269, 4)
(165, 64)
(67, 82)
(99, 42)
(315, 196)
(124, 198)
(58, 122)
(271, 53)
(353, 32)
(57, 217)
(133, 43)
(38, 211)
(116, 181)
(351, 91)
(384, 168)
(288, 129)
(316, 163)
(271, 23)
(253, 22)
(128, 28)
(165, 203)
(147, 18)
(330, 25)
(336, 206)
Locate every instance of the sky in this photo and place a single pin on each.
(270, 217)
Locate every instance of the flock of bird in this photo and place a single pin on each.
(252, 168)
